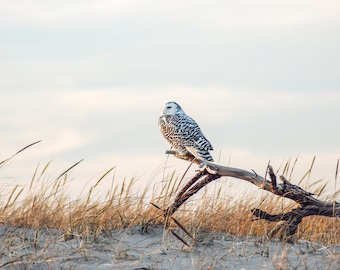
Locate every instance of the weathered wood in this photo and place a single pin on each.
(288, 222)
(179, 200)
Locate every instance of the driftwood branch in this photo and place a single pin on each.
(288, 222)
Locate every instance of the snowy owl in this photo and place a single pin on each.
(183, 133)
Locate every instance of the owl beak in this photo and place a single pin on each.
(163, 117)
(162, 113)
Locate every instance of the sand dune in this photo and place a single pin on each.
(157, 249)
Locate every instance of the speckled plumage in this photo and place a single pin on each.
(183, 133)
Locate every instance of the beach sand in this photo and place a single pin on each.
(157, 249)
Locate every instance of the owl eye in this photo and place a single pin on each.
(169, 107)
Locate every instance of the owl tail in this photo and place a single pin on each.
(201, 154)
(206, 156)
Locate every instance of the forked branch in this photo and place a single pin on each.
(287, 227)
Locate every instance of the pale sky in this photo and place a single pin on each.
(89, 78)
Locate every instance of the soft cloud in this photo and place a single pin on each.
(89, 78)
(62, 12)
(217, 13)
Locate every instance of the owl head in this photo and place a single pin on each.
(171, 108)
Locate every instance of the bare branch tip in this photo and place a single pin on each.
(254, 173)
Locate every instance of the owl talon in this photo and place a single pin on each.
(204, 167)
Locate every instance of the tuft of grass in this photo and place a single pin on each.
(46, 204)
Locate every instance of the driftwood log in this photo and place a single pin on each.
(287, 222)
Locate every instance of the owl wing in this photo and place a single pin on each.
(194, 136)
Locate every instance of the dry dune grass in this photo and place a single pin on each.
(46, 205)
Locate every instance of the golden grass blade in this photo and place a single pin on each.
(9, 201)
(308, 172)
(320, 190)
(89, 196)
(184, 174)
(34, 176)
(286, 168)
(2, 163)
(165, 164)
(69, 169)
(336, 174)
(293, 167)
(129, 187)
(18, 194)
(122, 189)
(336, 193)
(26, 147)
(314, 184)
(168, 189)
(103, 176)
(9, 198)
(44, 169)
